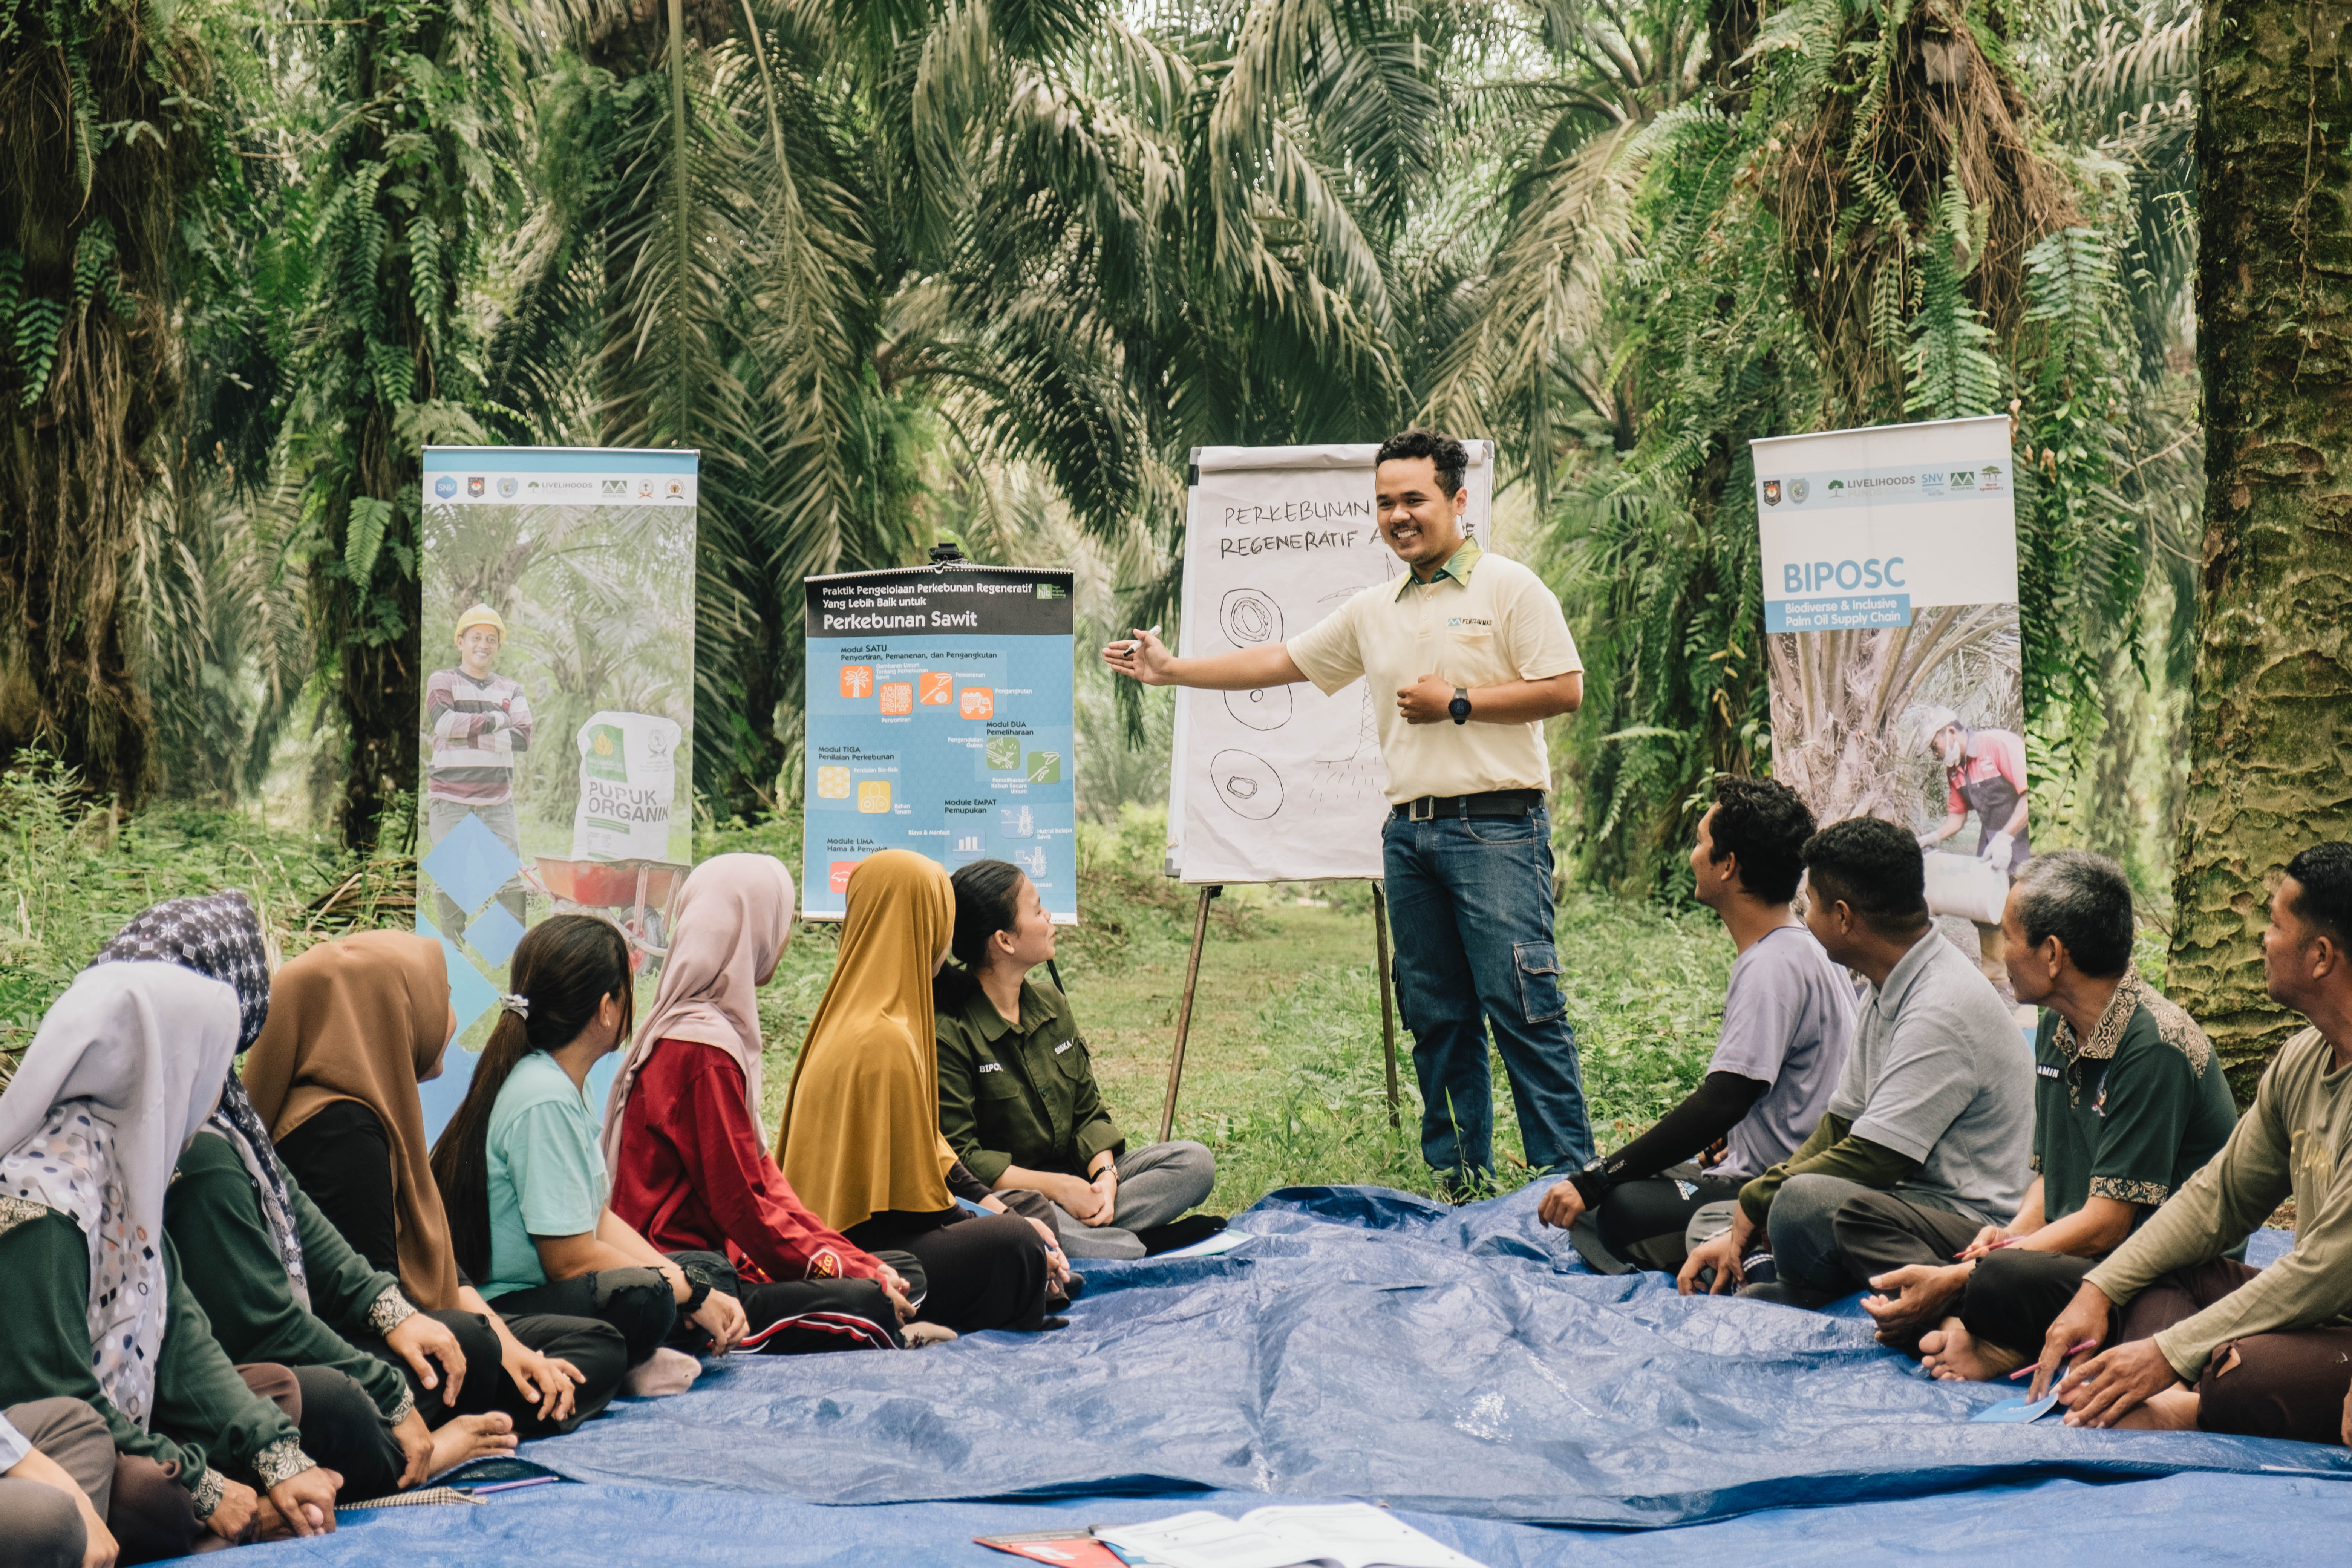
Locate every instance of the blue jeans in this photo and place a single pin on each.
(1470, 902)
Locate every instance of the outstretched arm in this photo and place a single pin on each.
(1146, 658)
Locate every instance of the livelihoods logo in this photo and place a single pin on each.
(616, 487)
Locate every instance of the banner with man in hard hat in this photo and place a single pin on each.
(479, 722)
(556, 751)
(1889, 563)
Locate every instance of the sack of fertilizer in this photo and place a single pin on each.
(628, 767)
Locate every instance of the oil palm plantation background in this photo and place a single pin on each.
(989, 269)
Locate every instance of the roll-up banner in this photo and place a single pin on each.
(939, 704)
(1891, 630)
(556, 739)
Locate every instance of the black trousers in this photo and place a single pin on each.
(593, 1347)
(1642, 1222)
(1876, 1233)
(343, 1430)
(980, 1273)
(636, 1303)
(808, 1317)
(2013, 1297)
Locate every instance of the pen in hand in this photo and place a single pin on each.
(2072, 1352)
(1137, 642)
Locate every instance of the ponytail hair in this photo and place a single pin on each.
(563, 971)
(984, 905)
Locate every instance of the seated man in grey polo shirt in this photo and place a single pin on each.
(1934, 1107)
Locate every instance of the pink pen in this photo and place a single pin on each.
(2072, 1352)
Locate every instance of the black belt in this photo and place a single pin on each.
(1487, 803)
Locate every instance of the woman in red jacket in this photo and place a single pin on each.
(691, 1169)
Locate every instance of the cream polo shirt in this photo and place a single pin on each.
(1480, 621)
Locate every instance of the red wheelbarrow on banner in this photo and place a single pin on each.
(638, 895)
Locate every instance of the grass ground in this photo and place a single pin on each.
(1282, 1078)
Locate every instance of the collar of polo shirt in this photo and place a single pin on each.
(1458, 566)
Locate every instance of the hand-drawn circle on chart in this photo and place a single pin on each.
(1250, 616)
(1247, 784)
(1266, 707)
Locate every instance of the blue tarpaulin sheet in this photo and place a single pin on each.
(1372, 1344)
(1458, 1362)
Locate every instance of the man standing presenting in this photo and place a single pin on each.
(1479, 656)
(478, 720)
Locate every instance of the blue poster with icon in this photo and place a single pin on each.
(940, 704)
(555, 742)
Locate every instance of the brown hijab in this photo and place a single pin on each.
(365, 1019)
(861, 1129)
(734, 916)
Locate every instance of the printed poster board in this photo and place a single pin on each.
(556, 742)
(1283, 783)
(1890, 618)
(940, 719)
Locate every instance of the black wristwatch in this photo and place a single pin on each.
(1460, 706)
(699, 1292)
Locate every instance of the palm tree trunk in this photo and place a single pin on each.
(89, 368)
(2271, 719)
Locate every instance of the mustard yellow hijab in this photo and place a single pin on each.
(861, 1126)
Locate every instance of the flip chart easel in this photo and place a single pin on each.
(1192, 980)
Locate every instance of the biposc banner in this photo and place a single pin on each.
(1892, 638)
(1864, 528)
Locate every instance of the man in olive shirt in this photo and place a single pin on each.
(2129, 1101)
(1479, 656)
(2208, 1343)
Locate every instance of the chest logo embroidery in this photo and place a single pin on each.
(1064, 1046)
(991, 1067)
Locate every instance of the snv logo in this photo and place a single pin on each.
(444, 487)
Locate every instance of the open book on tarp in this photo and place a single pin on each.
(1343, 1535)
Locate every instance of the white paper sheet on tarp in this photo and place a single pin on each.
(628, 771)
(1283, 783)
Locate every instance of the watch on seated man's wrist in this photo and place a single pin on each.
(1460, 707)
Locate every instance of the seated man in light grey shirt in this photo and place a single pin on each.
(1788, 1016)
(1936, 1105)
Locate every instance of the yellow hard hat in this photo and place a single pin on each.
(480, 615)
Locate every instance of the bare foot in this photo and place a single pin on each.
(2174, 1410)
(1954, 1355)
(465, 1438)
(918, 1335)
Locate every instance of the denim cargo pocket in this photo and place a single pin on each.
(1539, 998)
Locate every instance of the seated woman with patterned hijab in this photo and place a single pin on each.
(275, 1279)
(124, 1070)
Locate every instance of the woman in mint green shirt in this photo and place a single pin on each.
(522, 1175)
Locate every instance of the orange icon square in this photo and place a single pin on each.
(938, 686)
(838, 876)
(897, 697)
(857, 680)
(978, 702)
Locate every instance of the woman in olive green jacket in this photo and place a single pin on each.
(1018, 1101)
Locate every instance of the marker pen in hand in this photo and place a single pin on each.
(1135, 643)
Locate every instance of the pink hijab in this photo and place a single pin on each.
(734, 916)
